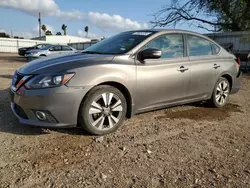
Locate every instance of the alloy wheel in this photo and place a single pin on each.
(222, 92)
(105, 111)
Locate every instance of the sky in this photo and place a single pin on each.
(103, 17)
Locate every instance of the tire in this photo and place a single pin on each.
(100, 119)
(220, 94)
(42, 55)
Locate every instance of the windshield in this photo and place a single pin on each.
(119, 44)
(46, 47)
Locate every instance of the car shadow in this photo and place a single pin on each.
(13, 58)
(10, 124)
(8, 76)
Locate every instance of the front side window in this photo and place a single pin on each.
(46, 47)
(171, 45)
(56, 48)
(199, 46)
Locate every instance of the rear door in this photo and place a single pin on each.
(163, 81)
(67, 50)
(203, 65)
(55, 50)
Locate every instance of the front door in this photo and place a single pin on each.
(163, 81)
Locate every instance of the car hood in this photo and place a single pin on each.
(63, 63)
(26, 48)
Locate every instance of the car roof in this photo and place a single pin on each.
(159, 31)
(165, 30)
(43, 44)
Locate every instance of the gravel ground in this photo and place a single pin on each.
(187, 146)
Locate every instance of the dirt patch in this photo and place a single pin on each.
(203, 113)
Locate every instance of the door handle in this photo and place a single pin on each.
(182, 69)
(216, 66)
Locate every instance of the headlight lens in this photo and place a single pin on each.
(46, 81)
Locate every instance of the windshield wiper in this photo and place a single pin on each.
(92, 52)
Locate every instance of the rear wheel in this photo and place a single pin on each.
(221, 93)
(103, 110)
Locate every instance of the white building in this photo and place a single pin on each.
(62, 39)
(12, 45)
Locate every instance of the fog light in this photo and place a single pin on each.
(41, 115)
(45, 116)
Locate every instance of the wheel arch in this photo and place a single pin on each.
(124, 90)
(229, 78)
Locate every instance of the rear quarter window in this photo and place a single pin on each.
(215, 48)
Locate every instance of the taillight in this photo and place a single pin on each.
(238, 61)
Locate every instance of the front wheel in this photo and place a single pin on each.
(103, 110)
(221, 93)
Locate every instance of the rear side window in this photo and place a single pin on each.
(66, 48)
(199, 46)
(39, 46)
(171, 45)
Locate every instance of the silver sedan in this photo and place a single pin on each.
(50, 51)
(130, 73)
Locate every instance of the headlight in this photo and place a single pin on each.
(46, 81)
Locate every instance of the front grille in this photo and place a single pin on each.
(20, 112)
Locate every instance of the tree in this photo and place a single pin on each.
(44, 28)
(212, 15)
(64, 28)
(48, 32)
(86, 30)
(58, 33)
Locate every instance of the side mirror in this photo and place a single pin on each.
(151, 53)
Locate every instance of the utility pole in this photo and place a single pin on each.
(40, 25)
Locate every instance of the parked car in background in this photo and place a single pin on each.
(127, 74)
(22, 51)
(50, 51)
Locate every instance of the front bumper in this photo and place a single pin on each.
(21, 53)
(61, 102)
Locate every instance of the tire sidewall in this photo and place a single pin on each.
(85, 120)
(215, 103)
